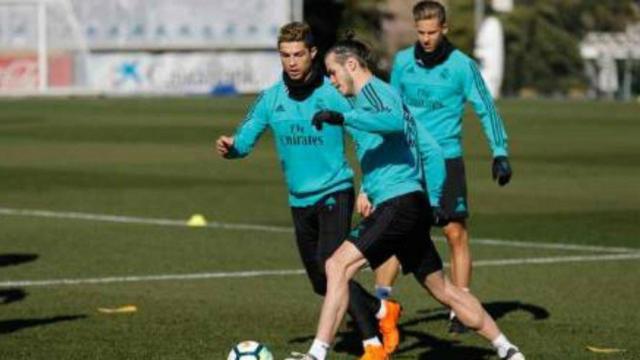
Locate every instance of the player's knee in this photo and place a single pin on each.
(456, 235)
(334, 268)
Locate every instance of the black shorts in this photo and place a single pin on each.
(320, 229)
(454, 193)
(399, 226)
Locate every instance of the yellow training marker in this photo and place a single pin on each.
(197, 220)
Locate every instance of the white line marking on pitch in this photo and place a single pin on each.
(280, 229)
(257, 273)
(542, 245)
(135, 220)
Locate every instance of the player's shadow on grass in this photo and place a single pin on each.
(499, 309)
(436, 348)
(8, 296)
(10, 326)
(496, 309)
(16, 259)
(453, 348)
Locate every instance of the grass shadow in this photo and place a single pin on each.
(16, 259)
(8, 296)
(11, 326)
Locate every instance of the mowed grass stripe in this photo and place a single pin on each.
(280, 229)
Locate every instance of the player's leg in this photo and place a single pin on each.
(458, 239)
(305, 221)
(470, 312)
(334, 214)
(389, 314)
(374, 240)
(307, 229)
(419, 256)
(467, 307)
(341, 267)
(387, 229)
(454, 204)
(385, 277)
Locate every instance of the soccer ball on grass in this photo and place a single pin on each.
(250, 350)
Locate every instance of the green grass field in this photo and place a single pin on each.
(65, 165)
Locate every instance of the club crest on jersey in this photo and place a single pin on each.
(445, 74)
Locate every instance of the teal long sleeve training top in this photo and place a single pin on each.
(313, 161)
(436, 98)
(392, 149)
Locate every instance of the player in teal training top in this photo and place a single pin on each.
(319, 179)
(386, 140)
(435, 80)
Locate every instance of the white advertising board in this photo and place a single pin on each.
(167, 24)
(183, 73)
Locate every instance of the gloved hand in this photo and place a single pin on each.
(501, 170)
(327, 116)
(438, 216)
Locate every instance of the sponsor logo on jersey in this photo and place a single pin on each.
(302, 140)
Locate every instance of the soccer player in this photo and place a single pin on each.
(385, 135)
(318, 177)
(435, 80)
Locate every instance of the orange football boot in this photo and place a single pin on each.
(374, 352)
(389, 326)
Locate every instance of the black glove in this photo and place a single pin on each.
(438, 216)
(501, 170)
(327, 116)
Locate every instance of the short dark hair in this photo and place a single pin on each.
(350, 47)
(426, 10)
(296, 31)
